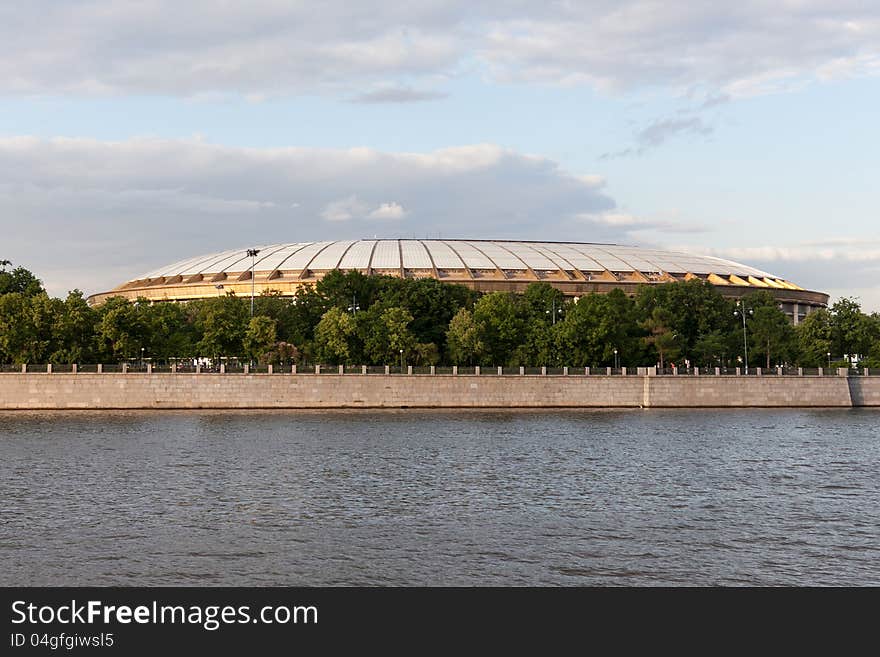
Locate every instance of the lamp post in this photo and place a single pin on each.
(554, 313)
(616, 361)
(354, 307)
(741, 312)
(253, 253)
(401, 361)
(142, 356)
(829, 360)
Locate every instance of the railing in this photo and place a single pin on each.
(425, 370)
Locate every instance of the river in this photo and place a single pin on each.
(657, 497)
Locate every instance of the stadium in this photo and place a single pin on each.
(574, 268)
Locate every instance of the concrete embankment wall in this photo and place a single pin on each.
(182, 391)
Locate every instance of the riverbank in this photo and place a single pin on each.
(109, 391)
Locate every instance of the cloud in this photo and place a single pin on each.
(397, 95)
(660, 131)
(388, 211)
(629, 224)
(376, 51)
(90, 213)
(344, 209)
(352, 207)
(838, 266)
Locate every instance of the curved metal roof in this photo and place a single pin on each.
(575, 268)
(462, 255)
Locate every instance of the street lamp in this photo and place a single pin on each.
(829, 359)
(142, 356)
(616, 361)
(554, 312)
(253, 253)
(401, 361)
(354, 307)
(741, 311)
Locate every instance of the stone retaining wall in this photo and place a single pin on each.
(240, 391)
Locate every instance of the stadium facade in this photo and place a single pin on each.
(574, 268)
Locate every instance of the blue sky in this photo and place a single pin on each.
(135, 133)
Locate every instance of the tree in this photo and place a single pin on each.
(74, 331)
(873, 359)
(222, 322)
(389, 335)
(432, 304)
(26, 327)
(539, 345)
(814, 336)
(691, 309)
(850, 329)
(711, 348)
(172, 330)
(18, 280)
(123, 329)
(542, 300)
(463, 342)
(344, 289)
(302, 316)
(500, 321)
(597, 325)
(660, 336)
(772, 334)
(333, 337)
(260, 338)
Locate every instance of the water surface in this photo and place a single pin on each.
(693, 497)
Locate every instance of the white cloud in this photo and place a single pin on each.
(80, 211)
(838, 266)
(857, 252)
(376, 51)
(388, 211)
(344, 209)
(397, 94)
(629, 224)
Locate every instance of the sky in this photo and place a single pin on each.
(134, 133)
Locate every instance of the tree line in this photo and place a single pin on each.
(350, 318)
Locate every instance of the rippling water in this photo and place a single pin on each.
(458, 498)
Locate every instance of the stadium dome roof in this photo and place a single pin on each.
(575, 268)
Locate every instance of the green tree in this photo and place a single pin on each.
(302, 316)
(123, 329)
(712, 348)
(814, 336)
(499, 317)
(222, 322)
(463, 339)
(432, 304)
(540, 343)
(172, 330)
(691, 309)
(660, 335)
(597, 325)
(772, 335)
(260, 337)
(873, 359)
(542, 300)
(18, 280)
(850, 329)
(75, 327)
(349, 288)
(333, 337)
(26, 323)
(390, 337)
